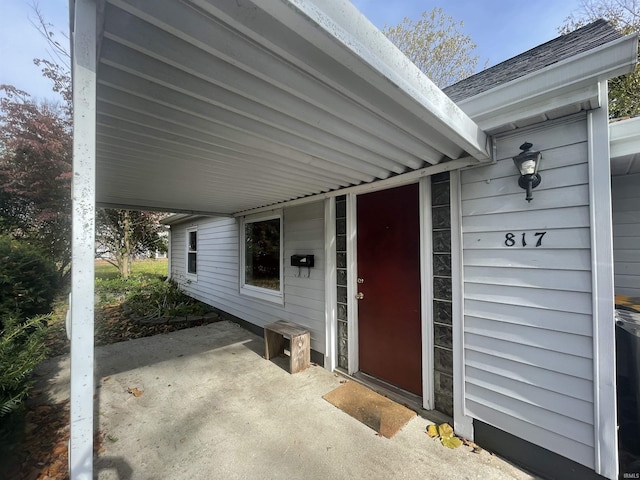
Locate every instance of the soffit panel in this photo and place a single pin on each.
(221, 107)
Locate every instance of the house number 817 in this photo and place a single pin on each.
(510, 239)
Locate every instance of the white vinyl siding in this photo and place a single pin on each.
(625, 192)
(219, 270)
(528, 323)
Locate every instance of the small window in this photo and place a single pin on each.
(261, 248)
(192, 251)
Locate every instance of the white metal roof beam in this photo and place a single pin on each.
(185, 101)
(207, 148)
(362, 64)
(216, 165)
(222, 199)
(236, 110)
(215, 146)
(207, 33)
(362, 128)
(259, 180)
(224, 136)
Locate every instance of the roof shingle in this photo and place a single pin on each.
(581, 40)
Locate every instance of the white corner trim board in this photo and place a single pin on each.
(606, 438)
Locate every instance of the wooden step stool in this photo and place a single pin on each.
(274, 335)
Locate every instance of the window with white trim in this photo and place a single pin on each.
(261, 257)
(192, 252)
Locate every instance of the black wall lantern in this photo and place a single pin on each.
(527, 164)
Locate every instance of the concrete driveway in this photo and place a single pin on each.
(212, 408)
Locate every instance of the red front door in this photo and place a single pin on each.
(389, 332)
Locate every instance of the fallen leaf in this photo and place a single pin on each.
(445, 431)
(135, 392)
(432, 431)
(475, 448)
(451, 442)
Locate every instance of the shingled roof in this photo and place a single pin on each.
(586, 38)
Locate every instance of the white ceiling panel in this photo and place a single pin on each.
(223, 106)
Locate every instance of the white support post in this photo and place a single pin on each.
(83, 241)
(604, 353)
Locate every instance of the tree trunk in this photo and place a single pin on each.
(125, 265)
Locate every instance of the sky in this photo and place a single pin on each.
(500, 28)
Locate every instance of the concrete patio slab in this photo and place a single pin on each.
(212, 407)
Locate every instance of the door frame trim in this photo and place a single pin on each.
(330, 282)
(352, 283)
(426, 292)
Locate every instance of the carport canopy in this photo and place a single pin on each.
(225, 106)
(221, 106)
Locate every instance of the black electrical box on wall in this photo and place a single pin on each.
(302, 261)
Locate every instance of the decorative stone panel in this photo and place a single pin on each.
(442, 293)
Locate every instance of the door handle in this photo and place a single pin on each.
(359, 295)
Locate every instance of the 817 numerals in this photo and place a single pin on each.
(510, 239)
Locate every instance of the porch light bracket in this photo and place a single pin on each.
(527, 163)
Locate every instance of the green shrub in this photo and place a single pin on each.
(22, 347)
(163, 298)
(148, 296)
(28, 281)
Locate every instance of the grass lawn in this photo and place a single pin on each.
(148, 266)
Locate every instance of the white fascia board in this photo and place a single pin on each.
(541, 107)
(573, 80)
(624, 137)
(383, 65)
